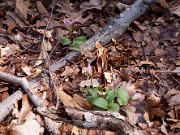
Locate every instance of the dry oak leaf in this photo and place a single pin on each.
(70, 71)
(41, 7)
(22, 6)
(30, 127)
(97, 4)
(90, 82)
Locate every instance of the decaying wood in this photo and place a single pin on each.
(91, 120)
(8, 104)
(115, 29)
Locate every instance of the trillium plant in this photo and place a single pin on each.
(111, 100)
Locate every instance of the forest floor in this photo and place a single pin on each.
(144, 62)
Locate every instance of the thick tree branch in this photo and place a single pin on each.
(91, 120)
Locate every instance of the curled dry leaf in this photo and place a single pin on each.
(27, 70)
(97, 4)
(26, 108)
(30, 127)
(90, 82)
(70, 71)
(66, 99)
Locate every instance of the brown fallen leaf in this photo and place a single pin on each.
(90, 82)
(41, 7)
(82, 102)
(30, 127)
(22, 6)
(175, 7)
(97, 4)
(164, 4)
(66, 99)
(70, 71)
(26, 108)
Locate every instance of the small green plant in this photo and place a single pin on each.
(75, 44)
(111, 100)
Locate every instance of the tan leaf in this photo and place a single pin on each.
(66, 99)
(164, 4)
(30, 127)
(82, 102)
(97, 4)
(91, 82)
(69, 71)
(41, 7)
(132, 115)
(27, 70)
(26, 108)
(6, 51)
(45, 46)
(22, 6)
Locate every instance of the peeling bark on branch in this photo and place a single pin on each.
(91, 120)
(8, 104)
(24, 84)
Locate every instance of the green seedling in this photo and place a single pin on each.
(75, 44)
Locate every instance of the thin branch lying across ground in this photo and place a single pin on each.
(91, 120)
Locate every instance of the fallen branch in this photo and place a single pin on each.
(8, 104)
(91, 120)
(24, 84)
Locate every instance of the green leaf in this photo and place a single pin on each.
(94, 92)
(76, 47)
(80, 39)
(99, 108)
(100, 88)
(122, 96)
(90, 99)
(110, 95)
(113, 107)
(100, 102)
(65, 41)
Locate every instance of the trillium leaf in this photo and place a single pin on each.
(110, 95)
(122, 96)
(80, 40)
(65, 41)
(100, 102)
(113, 107)
(94, 92)
(75, 47)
